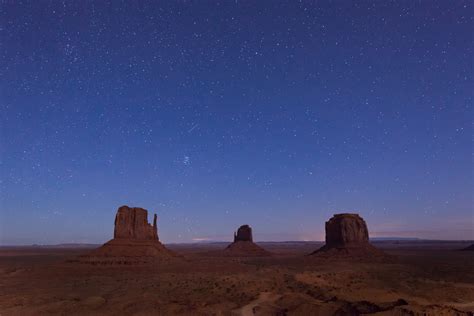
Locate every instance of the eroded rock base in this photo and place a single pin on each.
(245, 249)
(128, 251)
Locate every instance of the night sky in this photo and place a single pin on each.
(276, 114)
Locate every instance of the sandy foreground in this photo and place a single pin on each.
(421, 278)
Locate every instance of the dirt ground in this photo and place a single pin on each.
(420, 278)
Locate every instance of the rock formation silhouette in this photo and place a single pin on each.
(132, 223)
(243, 245)
(135, 240)
(347, 235)
(244, 233)
(346, 230)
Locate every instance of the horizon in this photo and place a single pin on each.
(375, 239)
(197, 242)
(225, 238)
(212, 115)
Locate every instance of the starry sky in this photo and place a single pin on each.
(214, 114)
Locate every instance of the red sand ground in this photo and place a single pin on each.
(420, 278)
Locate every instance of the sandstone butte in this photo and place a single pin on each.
(243, 245)
(135, 241)
(347, 236)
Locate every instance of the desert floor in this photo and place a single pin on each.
(421, 278)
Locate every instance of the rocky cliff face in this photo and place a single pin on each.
(244, 233)
(132, 223)
(346, 229)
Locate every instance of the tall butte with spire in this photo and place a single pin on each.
(243, 245)
(132, 223)
(135, 240)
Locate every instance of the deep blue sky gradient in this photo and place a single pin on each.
(277, 114)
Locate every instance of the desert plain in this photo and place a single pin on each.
(417, 278)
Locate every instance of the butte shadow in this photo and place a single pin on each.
(135, 241)
(347, 237)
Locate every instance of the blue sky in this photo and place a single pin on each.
(217, 114)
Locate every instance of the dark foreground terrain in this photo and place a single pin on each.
(420, 278)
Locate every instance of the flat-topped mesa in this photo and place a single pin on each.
(244, 233)
(132, 223)
(346, 230)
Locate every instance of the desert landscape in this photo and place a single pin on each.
(236, 158)
(135, 274)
